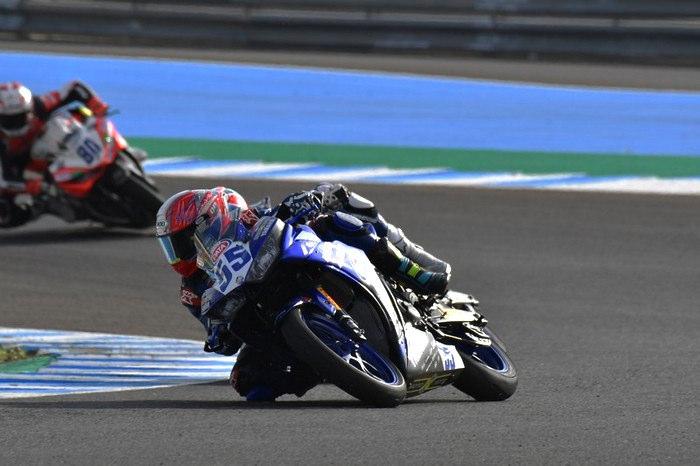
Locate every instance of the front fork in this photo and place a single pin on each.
(325, 302)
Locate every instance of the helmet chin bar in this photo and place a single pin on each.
(15, 125)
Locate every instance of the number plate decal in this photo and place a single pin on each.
(232, 267)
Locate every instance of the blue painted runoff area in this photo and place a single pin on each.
(181, 99)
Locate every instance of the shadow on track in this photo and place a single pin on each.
(82, 234)
(208, 404)
(186, 404)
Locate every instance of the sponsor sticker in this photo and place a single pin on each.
(189, 297)
(220, 247)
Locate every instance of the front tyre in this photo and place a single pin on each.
(489, 374)
(356, 368)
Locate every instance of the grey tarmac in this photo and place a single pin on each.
(596, 296)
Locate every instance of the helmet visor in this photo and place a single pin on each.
(178, 246)
(13, 122)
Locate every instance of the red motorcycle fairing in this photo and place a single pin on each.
(76, 179)
(82, 183)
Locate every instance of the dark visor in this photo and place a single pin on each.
(178, 246)
(13, 121)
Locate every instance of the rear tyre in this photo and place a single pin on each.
(124, 197)
(144, 199)
(356, 368)
(489, 374)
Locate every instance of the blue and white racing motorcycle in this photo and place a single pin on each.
(284, 288)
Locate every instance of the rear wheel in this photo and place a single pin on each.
(489, 374)
(355, 367)
(144, 198)
(124, 198)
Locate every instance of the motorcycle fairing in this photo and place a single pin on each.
(421, 355)
(260, 231)
(228, 271)
(302, 243)
(228, 260)
(426, 363)
(81, 151)
(430, 364)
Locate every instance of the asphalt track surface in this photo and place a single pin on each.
(595, 295)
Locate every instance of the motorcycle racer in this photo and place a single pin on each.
(187, 218)
(22, 120)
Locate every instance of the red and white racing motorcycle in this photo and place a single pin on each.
(89, 172)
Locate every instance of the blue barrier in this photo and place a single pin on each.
(178, 99)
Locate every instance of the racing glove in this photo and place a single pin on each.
(220, 339)
(301, 207)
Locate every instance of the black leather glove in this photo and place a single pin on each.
(303, 206)
(334, 196)
(221, 340)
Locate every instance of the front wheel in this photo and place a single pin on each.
(356, 368)
(489, 374)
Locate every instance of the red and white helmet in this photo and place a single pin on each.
(178, 217)
(15, 108)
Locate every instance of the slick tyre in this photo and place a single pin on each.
(358, 369)
(489, 374)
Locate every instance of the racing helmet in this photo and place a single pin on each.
(179, 216)
(15, 108)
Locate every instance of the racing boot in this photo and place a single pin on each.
(389, 260)
(413, 251)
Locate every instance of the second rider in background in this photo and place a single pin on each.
(22, 120)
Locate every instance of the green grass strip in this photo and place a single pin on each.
(457, 159)
(30, 364)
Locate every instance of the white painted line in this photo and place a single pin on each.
(488, 179)
(350, 174)
(430, 176)
(154, 162)
(234, 169)
(637, 185)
